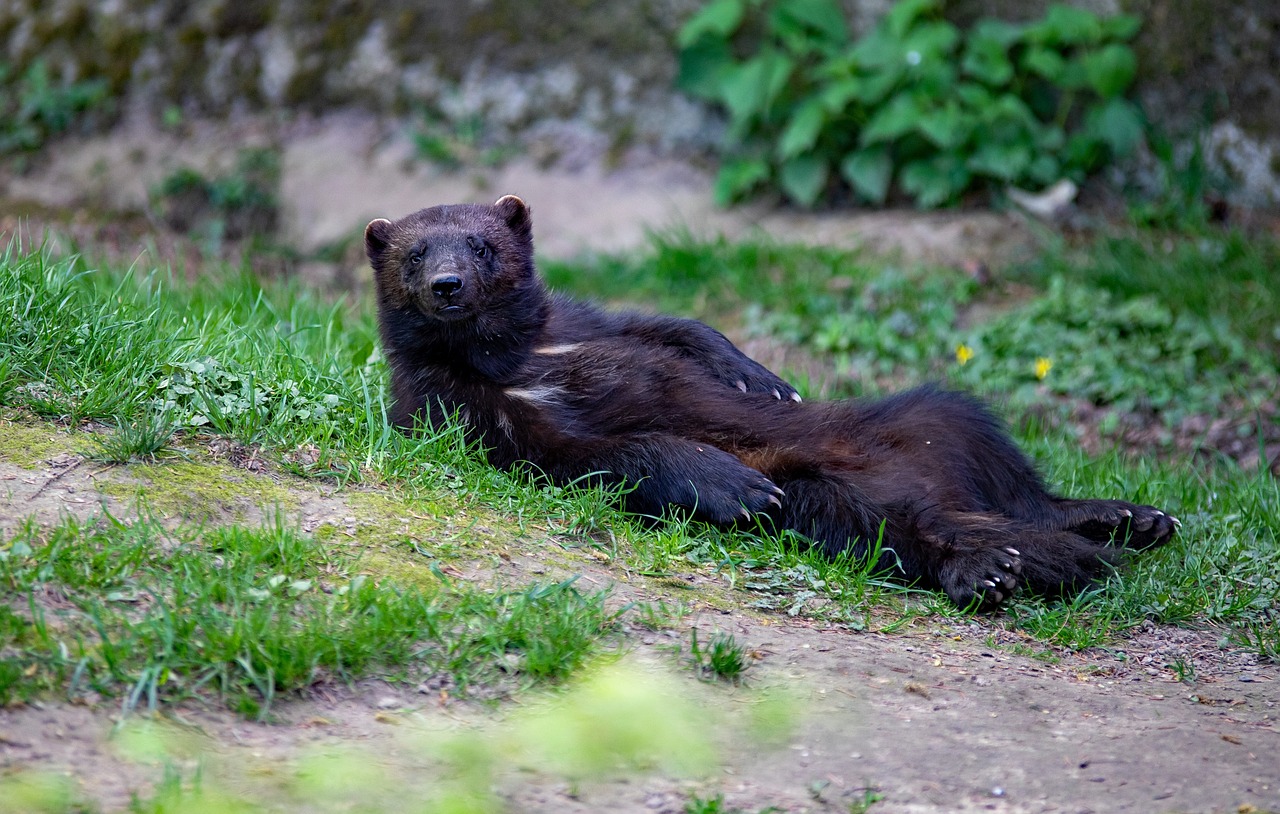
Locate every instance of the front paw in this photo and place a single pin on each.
(735, 497)
(764, 381)
(718, 488)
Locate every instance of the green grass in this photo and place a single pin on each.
(273, 365)
(151, 614)
(720, 657)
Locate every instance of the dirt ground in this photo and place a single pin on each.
(943, 719)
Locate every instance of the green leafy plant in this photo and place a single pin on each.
(918, 103)
(453, 145)
(228, 399)
(1132, 355)
(239, 203)
(35, 107)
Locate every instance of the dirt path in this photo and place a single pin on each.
(944, 719)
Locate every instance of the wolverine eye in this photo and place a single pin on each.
(415, 259)
(478, 248)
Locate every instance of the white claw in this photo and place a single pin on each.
(988, 583)
(775, 501)
(1126, 513)
(1159, 513)
(776, 394)
(1176, 521)
(796, 397)
(1015, 552)
(741, 385)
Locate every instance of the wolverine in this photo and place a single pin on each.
(672, 413)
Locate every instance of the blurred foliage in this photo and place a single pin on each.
(240, 203)
(35, 107)
(918, 103)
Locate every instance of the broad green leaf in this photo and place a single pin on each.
(1074, 76)
(739, 176)
(837, 95)
(930, 41)
(934, 181)
(905, 13)
(1044, 170)
(1083, 153)
(720, 18)
(1003, 32)
(1118, 124)
(1007, 107)
(1004, 162)
(802, 130)
(877, 50)
(1067, 25)
(874, 89)
(894, 120)
(823, 16)
(973, 95)
(987, 60)
(1050, 138)
(869, 172)
(1121, 26)
(945, 127)
(777, 70)
(752, 86)
(1044, 62)
(704, 67)
(1110, 70)
(803, 178)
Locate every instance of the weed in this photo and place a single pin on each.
(1261, 635)
(36, 107)
(453, 145)
(658, 615)
(237, 204)
(716, 805)
(721, 658)
(142, 438)
(862, 804)
(1184, 668)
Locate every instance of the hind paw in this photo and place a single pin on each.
(984, 578)
(1127, 524)
(1149, 527)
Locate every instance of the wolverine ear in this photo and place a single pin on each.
(515, 212)
(377, 236)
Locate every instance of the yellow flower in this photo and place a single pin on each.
(963, 353)
(1043, 366)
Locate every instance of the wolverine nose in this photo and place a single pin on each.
(446, 285)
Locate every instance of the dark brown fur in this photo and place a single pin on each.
(674, 411)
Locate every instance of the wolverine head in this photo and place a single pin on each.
(453, 263)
